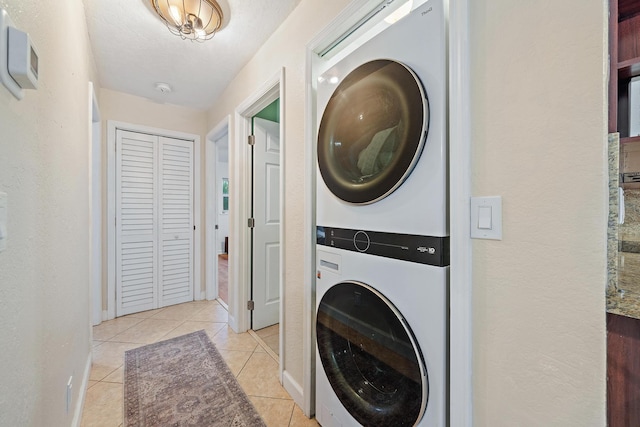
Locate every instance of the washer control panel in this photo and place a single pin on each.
(429, 250)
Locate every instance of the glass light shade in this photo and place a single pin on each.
(190, 19)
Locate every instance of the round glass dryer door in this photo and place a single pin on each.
(372, 131)
(370, 356)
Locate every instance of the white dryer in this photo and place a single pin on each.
(382, 135)
(381, 327)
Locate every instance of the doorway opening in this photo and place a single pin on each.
(222, 218)
(218, 212)
(253, 257)
(95, 176)
(265, 229)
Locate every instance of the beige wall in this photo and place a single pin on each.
(44, 272)
(132, 109)
(122, 107)
(539, 140)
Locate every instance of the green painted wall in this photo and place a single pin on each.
(271, 112)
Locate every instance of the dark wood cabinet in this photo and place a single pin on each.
(624, 52)
(623, 333)
(623, 371)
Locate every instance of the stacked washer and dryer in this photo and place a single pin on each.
(382, 229)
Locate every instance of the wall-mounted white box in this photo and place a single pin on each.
(18, 58)
(23, 59)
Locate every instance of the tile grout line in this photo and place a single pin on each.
(244, 365)
(293, 408)
(118, 333)
(180, 324)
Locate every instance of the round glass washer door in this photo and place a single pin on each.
(370, 356)
(372, 131)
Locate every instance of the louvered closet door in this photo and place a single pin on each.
(154, 222)
(136, 222)
(176, 221)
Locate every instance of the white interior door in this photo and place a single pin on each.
(154, 222)
(266, 231)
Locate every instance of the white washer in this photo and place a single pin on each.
(376, 169)
(382, 338)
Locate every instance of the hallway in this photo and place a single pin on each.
(254, 367)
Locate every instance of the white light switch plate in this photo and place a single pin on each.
(486, 218)
(3, 221)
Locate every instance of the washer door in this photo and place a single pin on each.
(370, 356)
(372, 131)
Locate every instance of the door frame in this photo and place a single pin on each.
(211, 211)
(240, 197)
(95, 207)
(112, 126)
(460, 170)
(460, 282)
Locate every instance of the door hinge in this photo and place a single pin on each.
(194, 228)
(216, 227)
(252, 140)
(251, 223)
(250, 305)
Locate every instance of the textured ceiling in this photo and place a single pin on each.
(134, 50)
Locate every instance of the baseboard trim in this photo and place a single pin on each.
(233, 324)
(77, 413)
(293, 388)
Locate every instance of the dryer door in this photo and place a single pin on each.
(370, 356)
(372, 131)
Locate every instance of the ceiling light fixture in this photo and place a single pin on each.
(190, 19)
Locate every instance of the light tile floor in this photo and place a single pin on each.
(270, 337)
(254, 367)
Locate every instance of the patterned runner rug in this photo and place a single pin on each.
(183, 382)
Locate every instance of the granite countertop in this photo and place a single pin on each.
(626, 300)
(623, 242)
